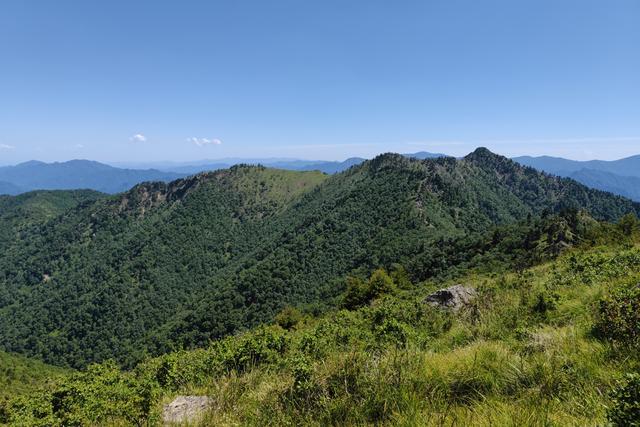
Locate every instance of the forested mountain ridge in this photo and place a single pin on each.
(19, 213)
(116, 268)
(556, 193)
(171, 265)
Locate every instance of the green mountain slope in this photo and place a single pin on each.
(391, 209)
(171, 265)
(20, 376)
(19, 213)
(547, 345)
(110, 272)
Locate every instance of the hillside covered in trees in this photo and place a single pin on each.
(170, 266)
(21, 214)
(555, 343)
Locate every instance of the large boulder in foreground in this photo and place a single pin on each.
(185, 409)
(453, 298)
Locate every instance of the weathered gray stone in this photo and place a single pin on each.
(453, 298)
(185, 409)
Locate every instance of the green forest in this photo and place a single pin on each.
(298, 298)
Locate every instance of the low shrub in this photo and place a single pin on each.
(619, 316)
(360, 293)
(288, 318)
(625, 410)
(265, 345)
(102, 395)
(545, 301)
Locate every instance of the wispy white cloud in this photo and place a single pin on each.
(201, 142)
(6, 147)
(138, 137)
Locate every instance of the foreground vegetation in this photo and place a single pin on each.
(552, 344)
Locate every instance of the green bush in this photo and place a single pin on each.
(400, 276)
(289, 317)
(359, 293)
(545, 301)
(265, 345)
(396, 322)
(380, 283)
(356, 294)
(629, 225)
(619, 316)
(102, 395)
(303, 387)
(625, 410)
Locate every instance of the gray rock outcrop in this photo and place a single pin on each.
(185, 409)
(453, 298)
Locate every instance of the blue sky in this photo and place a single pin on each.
(152, 80)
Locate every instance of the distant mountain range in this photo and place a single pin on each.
(9, 188)
(75, 174)
(326, 166)
(627, 186)
(629, 166)
(329, 167)
(620, 177)
(86, 174)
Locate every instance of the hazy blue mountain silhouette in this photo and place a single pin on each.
(75, 174)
